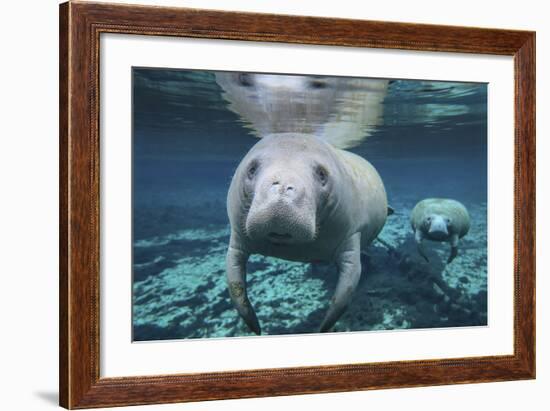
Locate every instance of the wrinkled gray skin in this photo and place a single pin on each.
(440, 219)
(298, 198)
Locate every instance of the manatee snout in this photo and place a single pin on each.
(288, 190)
(438, 227)
(282, 211)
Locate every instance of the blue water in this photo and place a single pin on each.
(432, 142)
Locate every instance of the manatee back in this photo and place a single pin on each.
(366, 195)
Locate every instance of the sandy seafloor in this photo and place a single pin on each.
(179, 288)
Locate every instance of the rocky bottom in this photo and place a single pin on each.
(179, 288)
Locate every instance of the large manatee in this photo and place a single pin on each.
(295, 197)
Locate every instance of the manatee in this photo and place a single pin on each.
(296, 197)
(440, 219)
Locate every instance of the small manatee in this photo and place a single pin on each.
(440, 219)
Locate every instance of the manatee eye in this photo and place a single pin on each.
(317, 84)
(252, 170)
(322, 174)
(448, 220)
(245, 80)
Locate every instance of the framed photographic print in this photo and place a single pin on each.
(257, 205)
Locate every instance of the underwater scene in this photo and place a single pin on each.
(289, 204)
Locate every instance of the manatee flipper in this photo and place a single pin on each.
(419, 237)
(236, 281)
(349, 270)
(454, 248)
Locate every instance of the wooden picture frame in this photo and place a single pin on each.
(80, 27)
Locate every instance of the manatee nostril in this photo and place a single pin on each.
(275, 183)
(289, 188)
